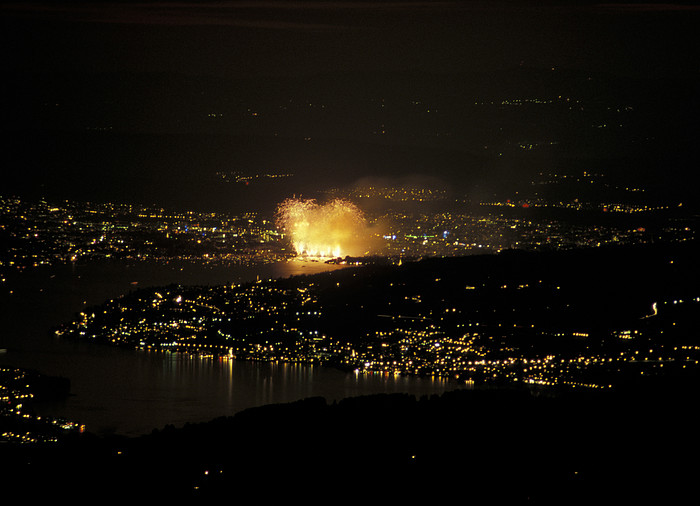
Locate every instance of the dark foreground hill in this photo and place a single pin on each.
(500, 446)
(636, 440)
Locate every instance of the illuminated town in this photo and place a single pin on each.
(39, 233)
(405, 329)
(18, 424)
(50, 233)
(472, 324)
(398, 251)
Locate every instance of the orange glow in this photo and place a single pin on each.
(330, 230)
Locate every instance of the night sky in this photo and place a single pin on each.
(282, 38)
(161, 69)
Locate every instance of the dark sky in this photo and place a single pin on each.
(271, 40)
(292, 37)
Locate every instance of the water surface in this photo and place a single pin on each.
(131, 391)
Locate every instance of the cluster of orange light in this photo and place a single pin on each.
(331, 230)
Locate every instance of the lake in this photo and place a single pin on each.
(131, 392)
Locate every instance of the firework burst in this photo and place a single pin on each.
(334, 229)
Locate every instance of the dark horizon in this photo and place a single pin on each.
(505, 204)
(295, 38)
(144, 102)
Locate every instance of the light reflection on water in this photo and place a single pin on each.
(132, 392)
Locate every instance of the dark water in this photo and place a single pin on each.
(132, 392)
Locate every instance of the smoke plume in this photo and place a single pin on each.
(334, 229)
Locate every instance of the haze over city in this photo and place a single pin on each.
(296, 229)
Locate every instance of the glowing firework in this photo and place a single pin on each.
(323, 230)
